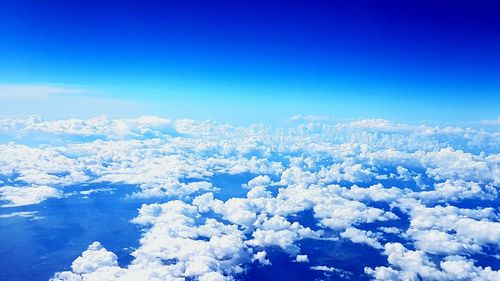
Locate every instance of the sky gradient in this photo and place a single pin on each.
(248, 61)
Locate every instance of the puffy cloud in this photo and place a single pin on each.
(261, 258)
(174, 234)
(259, 181)
(96, 263)
(457, 190)
(361, 236)
(413, 265)
(277, 231)
(448, 163)
(345, 172)
(424, 172)
(338, 213)
(258, 191)
(171, 249)
(39, 166)
(21, 196)
(416, 265)
(212, 276)
(295, 175)
(403, 173)
(452, 230)
(302, 258)
(390, 230)
(374, 193)
(94, 258)
(438, 242)
(205, 202)
(146, 126)
(172, 188)
(239, 211)
(458, 268)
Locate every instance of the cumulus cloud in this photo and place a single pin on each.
(261, 258)
(366, 181)
(416, 265)
(259, 181)
(302, 258)
(97, 127)
(96, 263)
(21, 196)
(452, 230)
(361, 236)
(457, 190)
(448, 163)
(277, 231)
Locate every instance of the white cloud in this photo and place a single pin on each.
(96, 263)
(342, 273)
(302, 258)
(452, 230)
(94, 258)
(212, 239)
(259, 181)
(97, 190)
(438, 242)
(277, 231)
(258, 191)
(491, 122)
(30, 215)
(361, 236)
(374, 193)
(448, 163)
(416, 265)
(22, 196)
(35, 91)
(261, 258)
(456, 190)
(339, 213)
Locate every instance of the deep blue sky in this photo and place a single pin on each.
(402, 60)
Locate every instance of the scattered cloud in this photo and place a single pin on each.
(397, 188)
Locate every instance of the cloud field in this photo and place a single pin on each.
(424, 197)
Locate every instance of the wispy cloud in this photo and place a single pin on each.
(63, 100)
(492, 122)
(38, 90)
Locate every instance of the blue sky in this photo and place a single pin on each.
(246, 61)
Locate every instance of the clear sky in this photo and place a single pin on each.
(246, 61)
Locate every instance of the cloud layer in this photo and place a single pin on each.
(426, 198)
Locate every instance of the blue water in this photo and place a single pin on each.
(36, 249)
